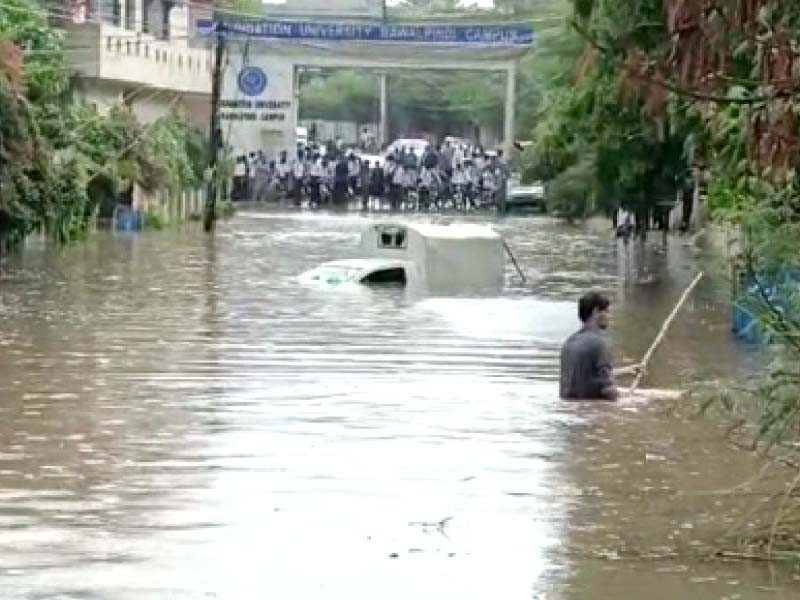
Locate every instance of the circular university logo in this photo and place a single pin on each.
(252, 81)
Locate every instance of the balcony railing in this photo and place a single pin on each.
(107, 52)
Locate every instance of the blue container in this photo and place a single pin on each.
(126, 219)
(745, 326)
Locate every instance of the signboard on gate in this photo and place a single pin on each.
(474, 35)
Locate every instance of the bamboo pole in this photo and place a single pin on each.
(514, 260)
(649, 354)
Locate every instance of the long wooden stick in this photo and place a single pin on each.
(514, 260)
(663, 332)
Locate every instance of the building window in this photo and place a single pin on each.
(166, 11)
(147, 8)
(156, 18)
(130, 15)
(110, 11)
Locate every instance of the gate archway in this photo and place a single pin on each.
(259, 105)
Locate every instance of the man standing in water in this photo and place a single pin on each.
(587, 368)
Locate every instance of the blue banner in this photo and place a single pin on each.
(488, 35)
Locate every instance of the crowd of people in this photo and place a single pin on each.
(458, 176)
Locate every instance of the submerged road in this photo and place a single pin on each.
(180, 419)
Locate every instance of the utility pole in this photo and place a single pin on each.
(383, 102)
(216, 131)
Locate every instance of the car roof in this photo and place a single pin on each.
(410, 142)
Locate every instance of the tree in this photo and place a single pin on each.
(713, 84)
(52, 151)
(340, 95)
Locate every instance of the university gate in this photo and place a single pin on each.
(259, 105)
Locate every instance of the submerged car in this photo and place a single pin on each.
(530, 198)
(436, 257)
(360, 270)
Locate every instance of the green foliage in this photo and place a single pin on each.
(51, 150)
(431, 102)
(225, 209)
(637, 154)
(570, 193)
(341, 96)
(247, 7)
(24, 23)
(547, 71)
(155, 220)
(175, 153)
(70, 211)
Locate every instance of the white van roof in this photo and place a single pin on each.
(454, 231)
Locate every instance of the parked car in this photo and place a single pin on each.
(527, 198)
(375, 160)
(301, 134)
(457, 141)
(417, 146)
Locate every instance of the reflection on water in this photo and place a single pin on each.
(180, 419)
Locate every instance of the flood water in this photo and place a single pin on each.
(179, 418)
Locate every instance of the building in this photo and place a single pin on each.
(350, 9)
(139, 53)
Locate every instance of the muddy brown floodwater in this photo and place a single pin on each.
(179, 418)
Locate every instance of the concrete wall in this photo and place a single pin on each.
(99, 94)
(147, 104)
(172, 206)
(149, 107)
(113, 53)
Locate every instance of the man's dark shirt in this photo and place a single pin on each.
(586, 366)
(341, 171)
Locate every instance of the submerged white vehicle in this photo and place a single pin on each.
(437, 257)
(359, 270)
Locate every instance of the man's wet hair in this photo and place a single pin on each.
(589, 302)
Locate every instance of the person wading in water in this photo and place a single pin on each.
(587, 367)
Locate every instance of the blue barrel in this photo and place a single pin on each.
(126, 219)
(778, 290)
